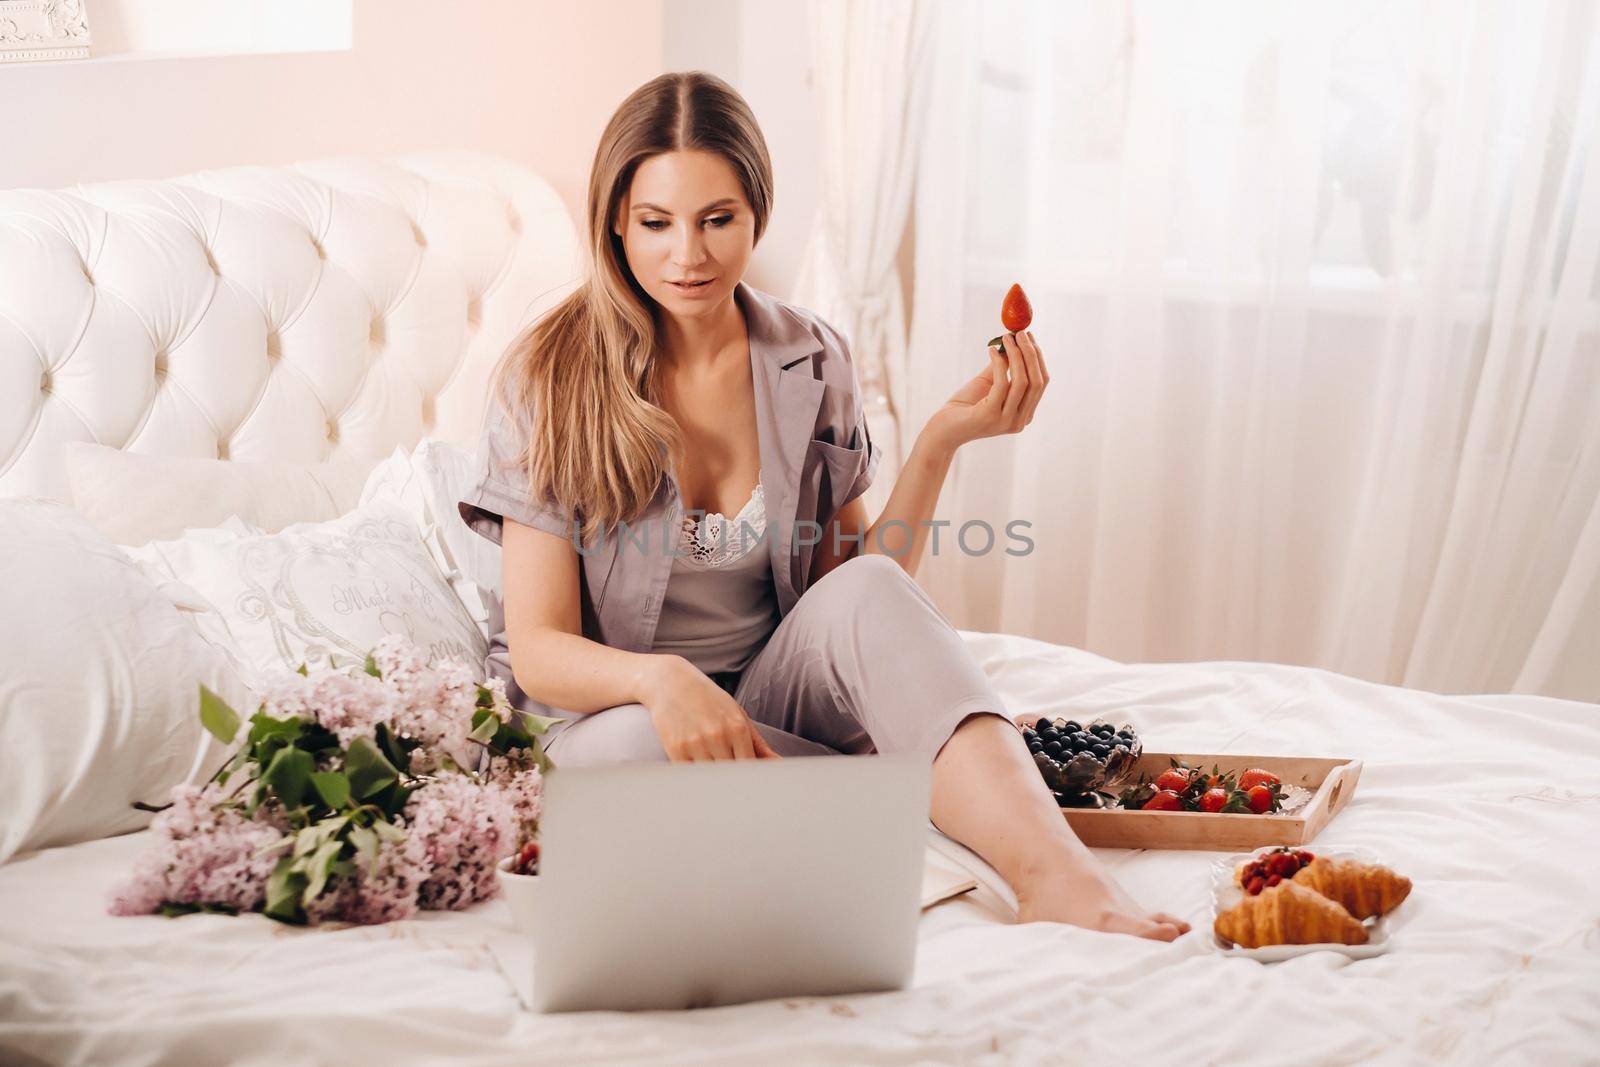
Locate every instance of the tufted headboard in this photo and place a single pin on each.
(322, 311)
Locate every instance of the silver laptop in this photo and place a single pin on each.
(678, 885)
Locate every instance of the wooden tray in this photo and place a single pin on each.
(1331, 781)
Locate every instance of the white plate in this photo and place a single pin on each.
(1225, 894)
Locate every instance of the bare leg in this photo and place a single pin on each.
(988, 795)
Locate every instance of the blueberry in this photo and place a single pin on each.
(1073, 726)
(1041, 724)
(1035, 745)
(1102, 751)
(1083, 738)
(1049, 733)
(1053, 748)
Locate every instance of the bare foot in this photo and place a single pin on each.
(1095, 903)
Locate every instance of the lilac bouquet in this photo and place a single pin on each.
(358, 794)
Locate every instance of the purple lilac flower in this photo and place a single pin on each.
(456, 826)
(376, 893)
(466, 828)
(201, 854)
(349, 705)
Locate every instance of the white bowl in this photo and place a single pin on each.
(521, 892)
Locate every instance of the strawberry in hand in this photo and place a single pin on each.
(1002, 397)
(1016, 314)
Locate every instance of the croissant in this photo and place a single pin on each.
(1289, 914)
(1365, 889)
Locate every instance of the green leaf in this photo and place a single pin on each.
(391, 800)
(389, 831)
(264, 729)
(284, 886)
(538, 725)
(306, 841)
(484, 726)
(396, 749)
(333, 787)
(540, 760)
(301, 671)
(258, 792)
(220, 720)
(369, 772)
(319, 867)
(288, 775)
(366, 845)
(173, 910)
(371, 666)
(278, 845)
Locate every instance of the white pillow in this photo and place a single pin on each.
(99, 684)
(315, 593)
(133, 498)
(427, 482)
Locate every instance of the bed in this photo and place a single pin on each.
(1490, 804)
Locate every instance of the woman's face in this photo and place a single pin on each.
(685, 219)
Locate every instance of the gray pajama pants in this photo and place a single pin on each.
(864, 662)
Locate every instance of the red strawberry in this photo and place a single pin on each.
(1015, 311)
(1255, 886)
(1175, 780)
(1261, 799)
(1283, 863)
(1274, 880)
(1256, 776)
(1214, 800)
(1165, 800)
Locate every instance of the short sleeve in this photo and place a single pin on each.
(861, 438)
(499, 489)
(857, 437)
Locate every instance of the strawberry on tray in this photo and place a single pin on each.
(1184, 788)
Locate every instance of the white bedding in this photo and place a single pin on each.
(1490, 804)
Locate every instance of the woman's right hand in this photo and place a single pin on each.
(696, 719)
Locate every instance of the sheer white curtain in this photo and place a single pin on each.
(1317, 285)
(872, 67)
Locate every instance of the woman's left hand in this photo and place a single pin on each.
(1000, 399)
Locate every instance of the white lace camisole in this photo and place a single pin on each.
(720, 604)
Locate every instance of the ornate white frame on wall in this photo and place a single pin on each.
(43, 29)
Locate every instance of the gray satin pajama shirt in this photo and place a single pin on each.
(861, 662)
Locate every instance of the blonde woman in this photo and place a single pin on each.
(664, 396)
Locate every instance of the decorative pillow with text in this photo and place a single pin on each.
(322, 594)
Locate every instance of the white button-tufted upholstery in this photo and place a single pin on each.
(323, 311)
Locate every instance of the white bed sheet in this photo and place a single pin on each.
(1490, 804)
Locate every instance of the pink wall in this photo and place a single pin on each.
(532, 80)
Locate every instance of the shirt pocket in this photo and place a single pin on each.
(844, 470)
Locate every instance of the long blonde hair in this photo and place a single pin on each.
(582, 377)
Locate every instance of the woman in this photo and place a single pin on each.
(666, 389)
